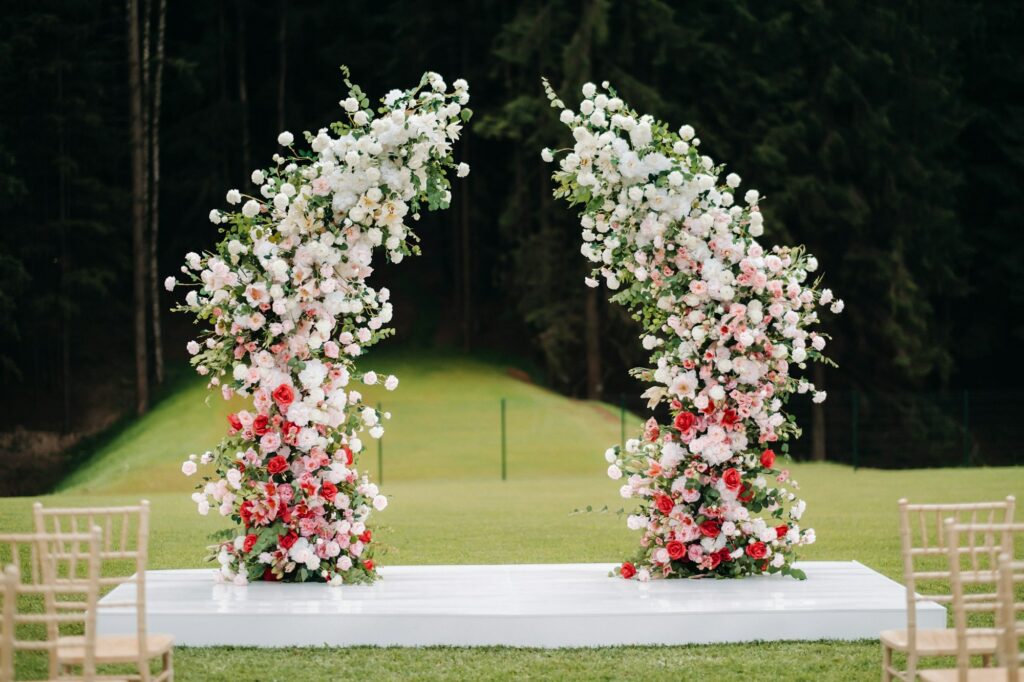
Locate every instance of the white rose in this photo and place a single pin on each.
(687, 132)
(251, 208)
(215, 216)
(462, 170)
(257, 177)
(380, 502)
(188, 467)
(285, 139)
(614, 472)
(234, 196)
(169, 283)
(546, 155)
(391, 383)
(732, 180)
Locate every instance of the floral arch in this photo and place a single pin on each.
(288, 312)
(725, 320)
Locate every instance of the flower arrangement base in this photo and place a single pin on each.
(549, 605)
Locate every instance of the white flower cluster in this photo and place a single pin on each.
(725, 320)
(289, 310)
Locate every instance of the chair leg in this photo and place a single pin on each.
(986, 660)
(886, 663)
(169, 664)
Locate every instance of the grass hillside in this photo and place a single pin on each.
(446, 417)
(448, 505)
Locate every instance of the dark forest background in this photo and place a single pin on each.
(887, 136)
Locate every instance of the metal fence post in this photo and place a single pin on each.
(380, 453)
(855, 426)
(504, 465)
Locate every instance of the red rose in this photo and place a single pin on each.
(715, 559)
(628, 570)
(369, 564)
(768, 459)
(269, 576)
(729, 417)
(277, 464)
(328, 491)
(286, 541)
(664, 503)
(710, 528)
(236, 423)
(758, 550)
(289, 432)
(283, 395)
(684, 421)
(723, 555)
(348, 455)
(245, 511)
(780, 531)
(250, 542)
(259, 424)
(676, 549)
(366, 536)
(746, 493)
(732, 479)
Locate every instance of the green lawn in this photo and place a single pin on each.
(448, 505)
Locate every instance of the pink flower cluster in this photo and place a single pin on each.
(726, 321)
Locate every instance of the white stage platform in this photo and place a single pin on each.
(549, 605)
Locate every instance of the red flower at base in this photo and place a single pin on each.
(732, 479)
(236, 423)
(684, 421)
(269, 576)
(758, 550)
(284, 396)
(664, 503)
(369, 564)
(366, 536)
(710, 528)
(250, 542)
(260, 424)
(277, 464)
(768, 459)
(676, 549)
(780, 531)
(628, 570)
(328, 491)
(286, 541)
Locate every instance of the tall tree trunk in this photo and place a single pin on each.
(243, 92)
(154, 193)
(138, 212)
(465, 265)
(65, 266)
(282, 60)
(818, 417)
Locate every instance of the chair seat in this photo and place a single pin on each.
(973, 675)
(939, 642)
(113, 648)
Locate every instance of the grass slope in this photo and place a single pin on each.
(449, 506)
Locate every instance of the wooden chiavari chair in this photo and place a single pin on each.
(923, 543)
(983, 583)
(62, 571)
(123, 557)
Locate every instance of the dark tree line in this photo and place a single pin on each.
(888, 136)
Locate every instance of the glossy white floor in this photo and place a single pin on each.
(554, 605)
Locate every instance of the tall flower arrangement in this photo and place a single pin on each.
(287, 311)
(725, 318)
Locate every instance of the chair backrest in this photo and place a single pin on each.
(923, 543)
(62, 571)
(1010, 656)
(977, 585)
(123, 554)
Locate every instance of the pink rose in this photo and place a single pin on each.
(321, 187)
(270, 441)
(331, 349)
(695, 553)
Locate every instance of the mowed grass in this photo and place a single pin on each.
(448, 505)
